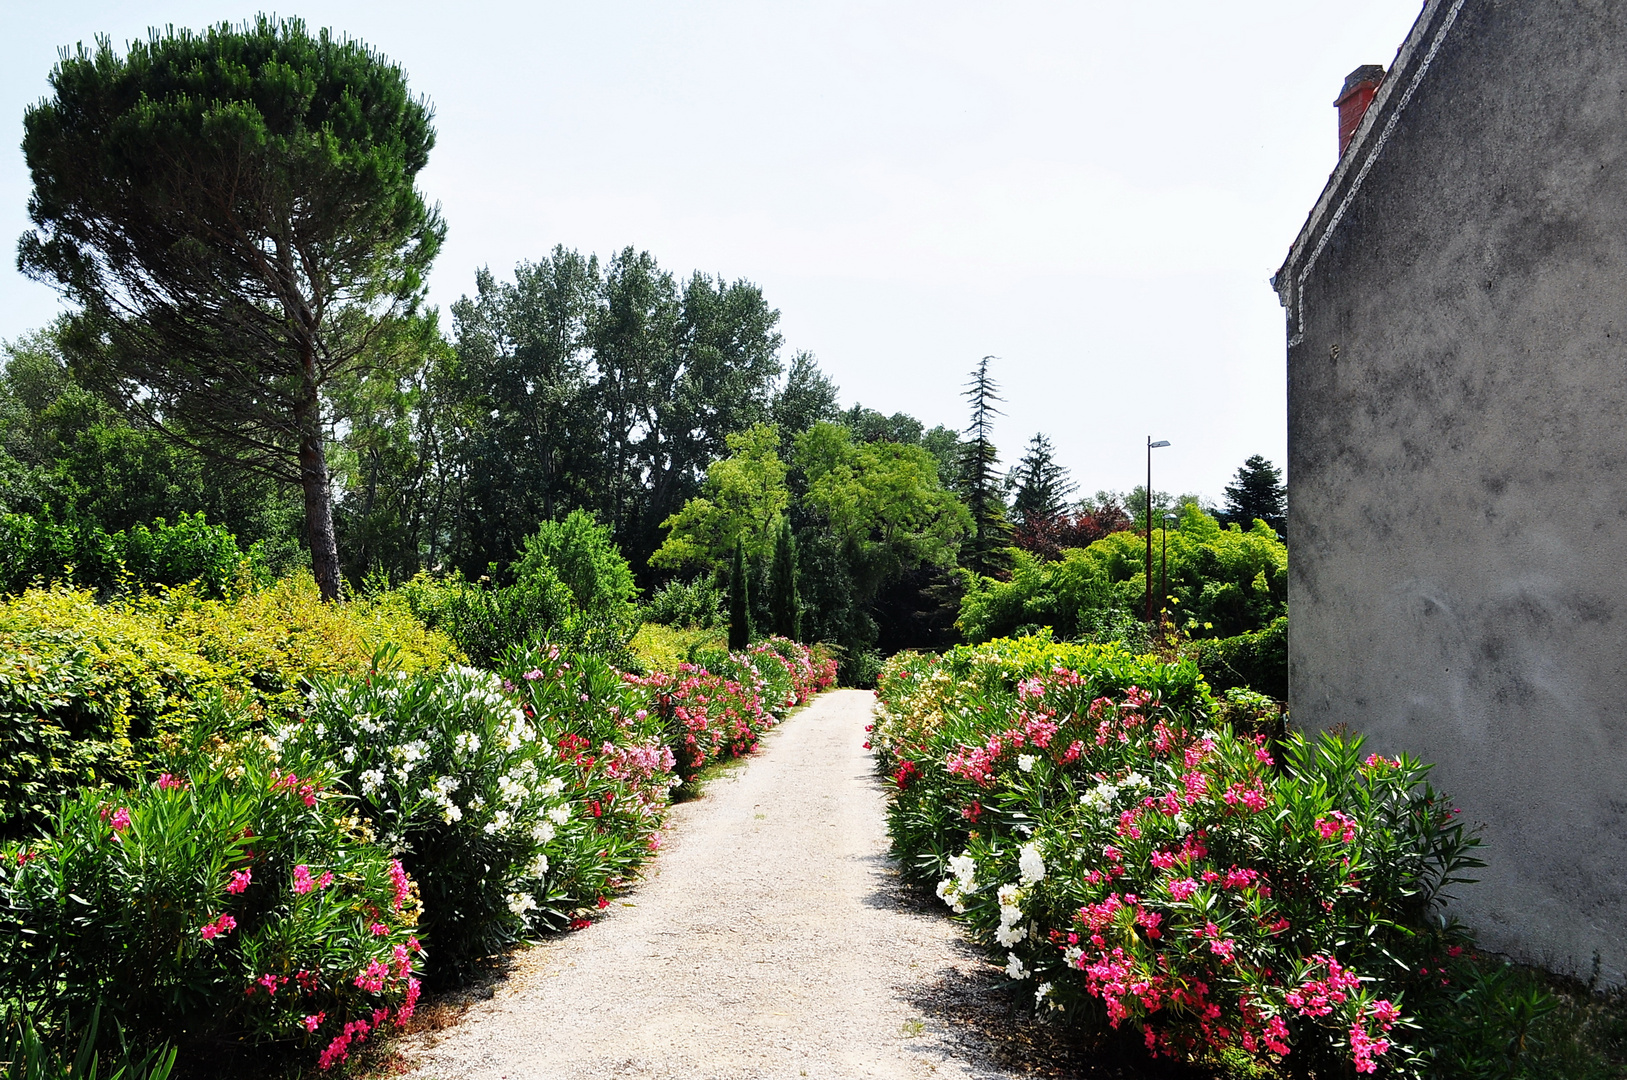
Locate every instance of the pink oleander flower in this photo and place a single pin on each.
(223, 925)
(1364, 1048)
(1180, 890)
(410, 1003)
(372, 980)
(166, 782)
(379, 929)
(240, 881)
(121, 819)
(302, 879)
(1337, 824)
(314, 1021)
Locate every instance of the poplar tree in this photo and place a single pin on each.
(234, 214)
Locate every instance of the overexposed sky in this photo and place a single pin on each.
(1096, 193)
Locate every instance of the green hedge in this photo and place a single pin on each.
(1257, 661)
(41, 551)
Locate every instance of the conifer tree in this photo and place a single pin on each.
(785, 605)
(1042, 485)
(1257, 492)
(740, 632)
(980, 482)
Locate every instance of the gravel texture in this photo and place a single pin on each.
(770, 939)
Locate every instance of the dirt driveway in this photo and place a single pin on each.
(770, 940)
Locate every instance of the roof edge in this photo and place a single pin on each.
(1389, 97)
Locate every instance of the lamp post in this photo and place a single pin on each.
(1151, 446)
(1163, 574)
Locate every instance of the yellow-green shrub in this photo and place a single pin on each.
(663, 648)
(86, 687)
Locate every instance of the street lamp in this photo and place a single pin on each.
(1151, 446)
(1169, 519)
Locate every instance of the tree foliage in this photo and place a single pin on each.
(980, 483)
(234, 215)
(1040, 485)
(744, 496)
(785, 602)
(1257, 493)
(1222, 582)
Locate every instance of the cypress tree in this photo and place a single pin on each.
(784, 603)
(739, 601)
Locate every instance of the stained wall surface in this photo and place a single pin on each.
(1457, 523)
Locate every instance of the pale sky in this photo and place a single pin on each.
(1095, 193)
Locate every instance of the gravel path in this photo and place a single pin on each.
(770, 940)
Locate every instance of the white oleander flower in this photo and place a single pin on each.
(949, 893)
(372, 780)
(1025, 762)
(1009, 935)
(1014, 966)
(543, 832)
(560, 814)
(520, 903)
(1030, 866)
(539, 866)
(1042, 993)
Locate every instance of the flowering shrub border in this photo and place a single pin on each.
(1140, 865)
(718, 707)
(223, 901)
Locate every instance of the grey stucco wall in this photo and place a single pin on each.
(1458, 465)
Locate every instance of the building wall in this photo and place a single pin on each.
(1458, 461)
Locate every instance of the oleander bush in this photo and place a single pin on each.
(1145, 867)
(450, 775)
(719, 704)
(709, 717)
(225, 902)
(26, 1056)
(610, 749)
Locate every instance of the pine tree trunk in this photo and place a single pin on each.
(313, 479)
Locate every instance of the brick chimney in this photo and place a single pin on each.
(1360, 86)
